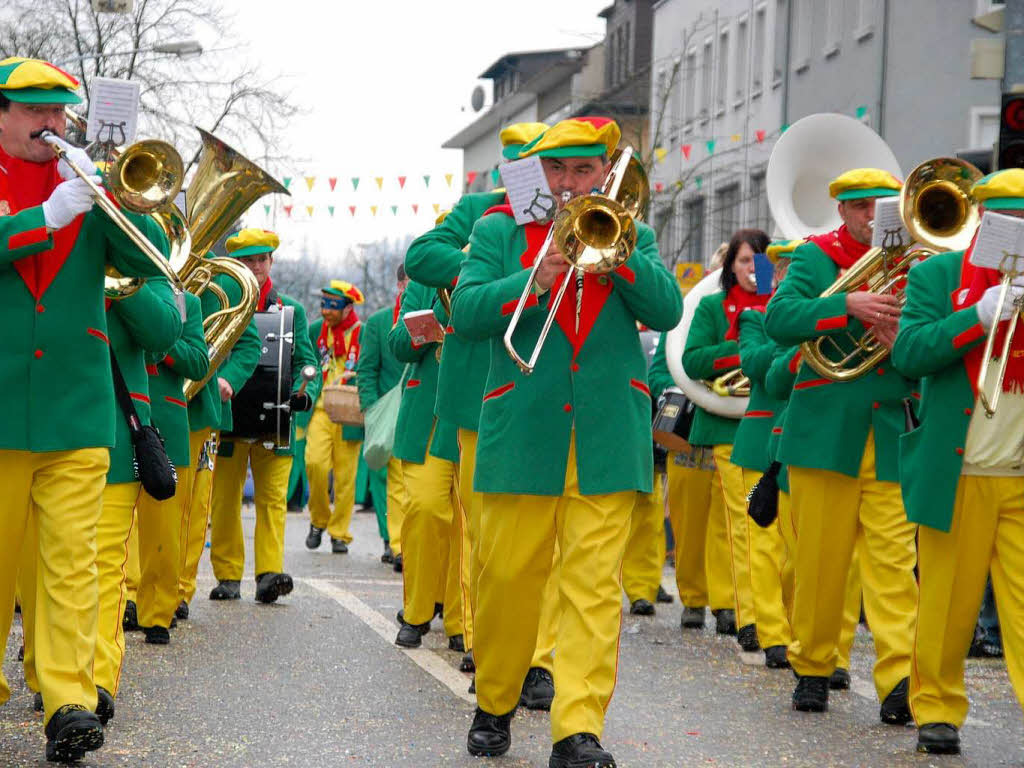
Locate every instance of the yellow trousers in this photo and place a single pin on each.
(550, 614)
(158, 547)
(26, 597)
(202, 447)
(132, 567)
(703, 575)
(728, 482)
(396, 504)
(270, 474)
(645, 548)
(987, 535)
(427, 538)
(771, 574)
(830, 512)
(517, 540)
(327, 451)
(62, 491)
(472, 503)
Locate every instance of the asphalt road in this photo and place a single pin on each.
(315, 680)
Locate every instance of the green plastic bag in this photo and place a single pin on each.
(379, 422)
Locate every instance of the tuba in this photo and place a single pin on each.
(224, 186)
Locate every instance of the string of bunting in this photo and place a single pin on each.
(355, 210)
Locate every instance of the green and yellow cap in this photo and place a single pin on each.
(782, 248)
(344, 290)
(34, 81)
(251, 241)
(864, 182)
(1002, 190)
(576, 137)
(516, 136)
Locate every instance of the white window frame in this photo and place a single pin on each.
(803, 27)
(722, 73)
(757, 69)
(987, 6)
(866, 15)
(689, 89)
(833, 27)
(741, 50)
(707, 80)
(975, 115)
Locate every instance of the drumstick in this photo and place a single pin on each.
(308, 373)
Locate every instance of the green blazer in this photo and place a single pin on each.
(377, 369)
(187, 359)
(707, 355)
(240, 362)
(750, 447)
(418, 428)
(145, 323)
(931, 344)
(595, 389)
(434, 259)
(658, 377)
(55, 367)
(827, 422)
(316, 386)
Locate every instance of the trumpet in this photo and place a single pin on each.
(731, 384)
(989, 400)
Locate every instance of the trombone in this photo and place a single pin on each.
(989, 400)
(596, 233)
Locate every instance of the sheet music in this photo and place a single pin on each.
(113, 111)
(888, 230)
(1000, 239)
(528, 190)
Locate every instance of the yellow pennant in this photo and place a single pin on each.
(309, 210)
(448, 177)
(310, 181)
(373, 209)
(736, 137)
(380, 181)
(660, 152)
(437, 208)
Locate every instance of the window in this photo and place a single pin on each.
(802, 27)
(627, 56)
(694, 215)
(781, 32)
(689, 78)
(620, 56)
(867, 13)
(722, 89)
(726, 214)
(759, 214)
(833, 27)
(707, 70)
(740, 78)
(983, 127)
(757, 51)
(674, 96)
(666, 224)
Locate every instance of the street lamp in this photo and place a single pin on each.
(180, 48)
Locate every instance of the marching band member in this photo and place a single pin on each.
(330, 446)
(839, 441)
(378, 371)
(711, 351)
(542, 459)
(962, 472)
(270, 466)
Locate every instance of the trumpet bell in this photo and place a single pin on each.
(936, 203)
(146, 176)
(595, 233)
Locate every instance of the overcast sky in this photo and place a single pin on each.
(383, 85)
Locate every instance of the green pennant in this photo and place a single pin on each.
(394, 210)
(355, 182)
(711, 147)
(287, 181)
(700, 181)
(426, 180)
(861, 111)
(266, 209)
(783, 128)
(331, 209)
(495, 176)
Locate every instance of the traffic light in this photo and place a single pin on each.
(1011, 131)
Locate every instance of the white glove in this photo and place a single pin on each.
(987, 304)
(69, 200)
(75, 154)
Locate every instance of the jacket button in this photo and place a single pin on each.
(881, 371)
(602, 280)
(40, 308)
(967, 411)
(39, 353)
(959, 451)
(875, 406)
(567, 407)
(574, 367)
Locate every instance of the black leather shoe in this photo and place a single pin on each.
(895, 710)
(663, 596)
(338, 546)
(490, 735)
(72, 731)
(398, 563)
(581, 750)
(747, 638)
(181, 612)
(468, 663)
(439, 610)
(840, 680)
(226, 590)
(37, 702)
(21, 652)
(455, 643)
(985, 645)
(314, 537)
(270, 586)
(775, 657)
(388, 556)
(104, 705)
(411, 635)
(538, 689)
(811, 694)
(725, 621)
(938, 739)
(642, 607)
(130, 620)
(472, 685)
(157, 635)
(692, 618)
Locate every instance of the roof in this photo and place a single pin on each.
(509, 59)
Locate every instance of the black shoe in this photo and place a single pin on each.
(104, 705)
(338, 546)
(21, 652)
(398, 563)
(986, 645)
(663, 596)
(775, 657)
(472, 685)
(157, 635)
(581, 750)
(725, 621)
(439, 610)
(270, 586)
(130, 620)
(938, 739)
(181, 612)
(411, 635)
(692, 618)
(314, 537)
(174, 621)
(388, 556)
(747, 638)
(72, 731)
(840, 680)
(489, 735)
(226, 590)
(538, 689)
(455, 643)
(642, 607)
(894, 709)
(811, 694)
(468, 663)
(37, 702)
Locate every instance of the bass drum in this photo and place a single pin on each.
(675, 342)
(259, 411)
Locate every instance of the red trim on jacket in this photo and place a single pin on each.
(412, 383)
(961, 340)
(636, 383)
(140, 397)
(98, 334)
(28, 237)
(499, 391)
(176, 401)
(626, 273)
(794, 363)
(510, 306)
(732, 361)
(152, 370)
(831, 323)
(811, 383)
(759, 414)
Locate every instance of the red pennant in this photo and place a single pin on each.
(332, 181)
(352, 210)
(686, 150)
(471, 177)
(658, 186)
(401, 182)
(759, 135)
(288, 210)
(415, 208)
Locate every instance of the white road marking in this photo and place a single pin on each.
(426, 659)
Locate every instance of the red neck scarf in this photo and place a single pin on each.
(337, 348)
(737, 300)
(974, 281)
(24, 184)
(840, 247)
(398, 307)
(261, 305)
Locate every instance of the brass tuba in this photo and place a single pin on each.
(225, 184)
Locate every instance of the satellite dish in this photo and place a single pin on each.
(477, 99)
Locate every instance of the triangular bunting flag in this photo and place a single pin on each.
(401, 182)
(287, 181)
(266, 209)
(679, 184)
(699, 180)
(471, 177)
(861, 111)
(352, 210)
(437, 208)
(735, 137)
(380, 181)
(415, 208)
(659, 153)
(331, 209)
(394, 210)
(658, 186)
(759, 135)
(448, 177)
(784, 127)
(495, 176)
(355, 183)
(711, 147)
(310, 181)
(426, 181)
(686, 148)
(288, 210)
(373, 209)
(332, 181)
(309, 210)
